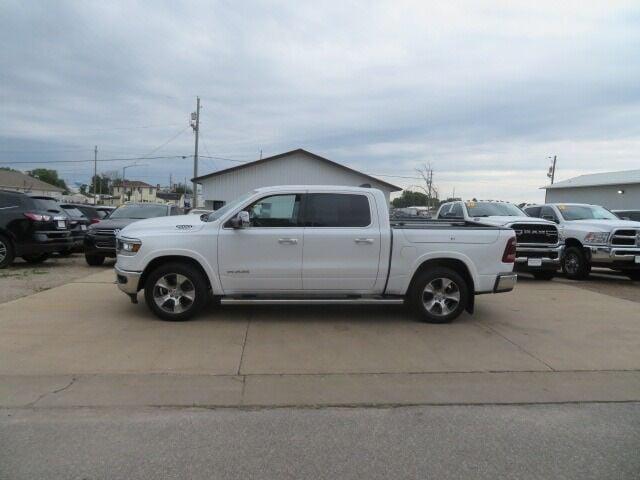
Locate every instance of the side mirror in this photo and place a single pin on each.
(241, 220)
(550, 218)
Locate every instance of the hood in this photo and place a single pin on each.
(115, 223)
(171, 224)
(604, 225)
(501, 221)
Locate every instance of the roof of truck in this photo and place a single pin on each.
(315, 187)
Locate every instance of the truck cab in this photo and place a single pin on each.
(593, 236)
(540, 246)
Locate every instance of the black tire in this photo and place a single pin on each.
(544, 275)
(419, 296)
(35, 259)
(574, 264)
(195, 286)
(633, 275)
(7, 253)
(94, 260)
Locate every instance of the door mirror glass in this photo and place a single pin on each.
(241, 220)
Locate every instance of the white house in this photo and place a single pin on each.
(297, 167)
(613, 190)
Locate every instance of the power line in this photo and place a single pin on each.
(90, 160)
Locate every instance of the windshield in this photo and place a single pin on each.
(48, 204)
(73, 212)
(491, 209)
(228, 207)
(585, 212)
(139, 211)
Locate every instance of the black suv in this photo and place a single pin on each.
(100, 241)
(29, 230)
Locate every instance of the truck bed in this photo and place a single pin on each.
(426, 223)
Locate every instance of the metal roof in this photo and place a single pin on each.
(286, 154)
(14, 179)
(623, 177)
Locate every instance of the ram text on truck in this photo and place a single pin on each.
(314, 244)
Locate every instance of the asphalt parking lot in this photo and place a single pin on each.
(84, 343)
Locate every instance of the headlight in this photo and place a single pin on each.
(596, 237)
(128, 246)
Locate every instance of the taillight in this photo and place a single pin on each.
(95, 220)
(36, 217)
(509, 255)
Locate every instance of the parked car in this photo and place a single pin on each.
(104, 210)
(200, 211)
(100, 241)
(78, 224)
(29, 230)
(539, 248)
(633, 215)
(252, 249)
(593, 236)
(92, 213)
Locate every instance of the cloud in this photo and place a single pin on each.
(484, 91)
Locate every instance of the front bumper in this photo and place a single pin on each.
(505, 282)
(100, 245)
(617, 256)
(45, 242)
(545, 258)
(127, 281)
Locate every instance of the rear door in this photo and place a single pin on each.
(341, 242)
(267, 255)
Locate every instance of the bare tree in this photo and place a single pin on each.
(429, 188)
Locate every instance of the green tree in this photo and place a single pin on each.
(182, 188)
(48, 176)
(103, 185)
(409, 198)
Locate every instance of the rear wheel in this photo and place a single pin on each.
(439, 295)
(35, 258)
(176, 291)
(6, 252)
(575, 265)
(544, 275)
(94, 260)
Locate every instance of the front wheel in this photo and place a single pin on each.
(439, 295)
(176, 292)
(575, 264)
(35, 258)
(94, 260)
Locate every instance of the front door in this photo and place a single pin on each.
(341, 243)
(267, 255)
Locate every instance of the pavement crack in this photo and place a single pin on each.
(244, 343)
(53, 392)
(519, 347)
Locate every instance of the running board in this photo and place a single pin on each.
(312, 301)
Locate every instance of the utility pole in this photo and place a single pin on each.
(552, 170)
(95, 174)
(195, 124)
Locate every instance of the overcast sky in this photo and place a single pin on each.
(485, 92)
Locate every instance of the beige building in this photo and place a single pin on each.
(135, 191)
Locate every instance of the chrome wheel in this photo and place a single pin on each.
(441, 296)
(571, 264)
(174, 293)
(3, 251)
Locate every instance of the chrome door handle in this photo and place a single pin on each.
(367, 241)
(288, 241)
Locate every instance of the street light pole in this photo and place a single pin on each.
(195, 124)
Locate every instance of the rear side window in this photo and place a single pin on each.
(533, 211)
(337, 210)
(456, 211)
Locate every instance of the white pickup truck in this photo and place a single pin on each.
(539, 247)
(322, 244)
(593, 236)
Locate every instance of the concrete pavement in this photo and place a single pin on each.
(84, 343)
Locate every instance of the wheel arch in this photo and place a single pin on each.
(454, 264)
(163, 259)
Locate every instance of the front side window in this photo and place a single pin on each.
(533, 211)
(275, 211)
(337, 210)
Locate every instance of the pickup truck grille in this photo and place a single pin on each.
(105, 231)
(536, 233)
(627, 237)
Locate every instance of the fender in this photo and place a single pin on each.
(442, 255)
